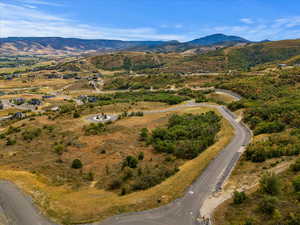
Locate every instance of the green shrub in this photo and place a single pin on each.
(296, 184)
(270, 184)
(76, 164)
(89, 176)
(144, 133)
(141, 156)
(269, 127)
(30, 134)
(249, 222)
(152, 176)
(59, 149)
(76, 115)
(201, 98)
(115, 184)
(296, 166)
(94, 129)
(12, 130)
(130, 161)
(66, 108)
(268, 204)
(239, 197)
(233, 106)
(49, 128)
(10, 141)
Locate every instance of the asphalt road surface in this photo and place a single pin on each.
(184, 211)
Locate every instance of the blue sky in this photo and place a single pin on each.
(151, 19)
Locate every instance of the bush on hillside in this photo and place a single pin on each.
(76, 164)
(270, 184)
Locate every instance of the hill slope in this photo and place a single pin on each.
(48, 45)
(218, 39)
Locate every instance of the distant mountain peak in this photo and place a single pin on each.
(218, 39)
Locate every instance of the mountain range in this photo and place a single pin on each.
(48, 45)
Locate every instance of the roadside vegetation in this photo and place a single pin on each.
(186, 136)
(275, 202)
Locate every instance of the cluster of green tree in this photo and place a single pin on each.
(162, 96)
(147, 63)
(296, 166)
(94, 129)
(239, 197)
(129, 62)
(246, 57)
(196, 94)
(131, 114)
(67, 108)
(156, 81)
(67, 67)
(30, 133)
(10, 130)
(271, 101)
(274, 146)
(135, 177)
(186, 136)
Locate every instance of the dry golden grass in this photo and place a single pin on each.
(221, 97)
(90, 204)
(25, 96)
(12, 70)
(6, 112)
(18, 83)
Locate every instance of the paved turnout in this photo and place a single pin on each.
(184, 211)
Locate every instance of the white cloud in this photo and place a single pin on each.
(30, 6)
(39, 2)
(247, 20)
(14, 12)
(24, 21)
(260, 29)
(28, 20)
(178, 26)
(289, 22)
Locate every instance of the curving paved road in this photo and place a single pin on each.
(183, 211)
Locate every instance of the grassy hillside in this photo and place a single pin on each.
(275, 202)
(246, 57)
(272, 110)
(128, 61)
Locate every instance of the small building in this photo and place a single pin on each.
(48, 96)
(69, 76)
(8, 77)
(53, 76)
(91, 99)
(55, 108)
(35, 101)
(18, 115)
(18, 101)
(282, 65)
